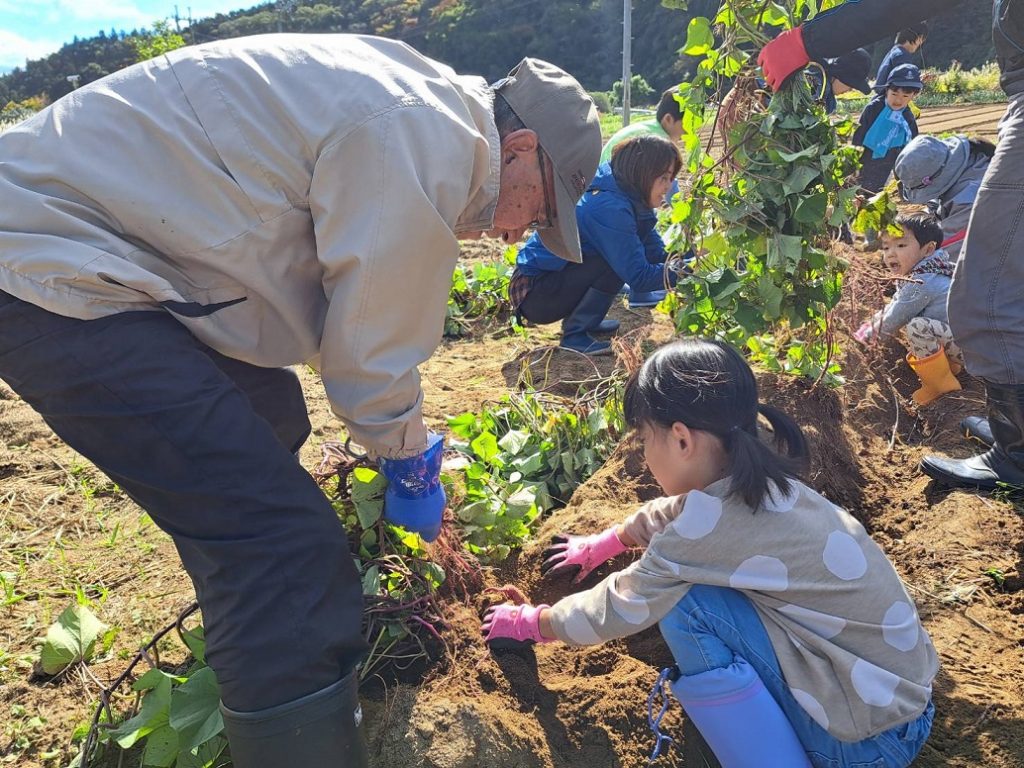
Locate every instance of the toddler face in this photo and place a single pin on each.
(898, 98)
(901, 254)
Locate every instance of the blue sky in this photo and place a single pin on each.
(31, 29)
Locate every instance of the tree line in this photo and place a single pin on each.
(485, 37)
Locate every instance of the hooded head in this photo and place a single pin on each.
(928, 167)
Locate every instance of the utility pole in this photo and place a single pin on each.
(191, 28)
(627, 66)
(177, 21)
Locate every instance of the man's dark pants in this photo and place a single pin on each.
(205, 444)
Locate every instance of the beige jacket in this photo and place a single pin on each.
(846, 633)
(288, 198)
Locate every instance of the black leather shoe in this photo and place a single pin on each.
(986, 471)
(1003, 463)
(977, 428)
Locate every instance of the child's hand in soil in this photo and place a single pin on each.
(581, 554)
(863, 334)
(516, 623)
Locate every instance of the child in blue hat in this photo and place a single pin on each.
(887, 125)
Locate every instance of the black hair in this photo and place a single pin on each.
(912, 34)
(669, 105)
(639, 161)
(925, 227)
(505, 117)
(708, 386)
(983, 146)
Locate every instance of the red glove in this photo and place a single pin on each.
(584, 553)
(783, 56)
(520, 623)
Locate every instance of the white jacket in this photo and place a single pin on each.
(288, 198)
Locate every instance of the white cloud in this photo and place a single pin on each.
(15, 49)
(103, 11)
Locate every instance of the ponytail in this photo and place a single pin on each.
(758, 471)
(708, 386)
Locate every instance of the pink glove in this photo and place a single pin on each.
(863, 334)
(783, 56)
(583, 553)
(520, 623)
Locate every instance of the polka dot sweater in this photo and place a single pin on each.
(846, 633)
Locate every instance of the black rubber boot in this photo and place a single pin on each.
(588, 313)
(322, 730)
(977, 428)
(1003, 463)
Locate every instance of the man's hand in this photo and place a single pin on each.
(415, 498)
(515, 623)
(581, 553)
(783, 56)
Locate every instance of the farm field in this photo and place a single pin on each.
(68, 534)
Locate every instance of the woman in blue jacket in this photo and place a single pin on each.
(619, 241)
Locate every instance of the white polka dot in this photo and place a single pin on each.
(811, 706)
(767, 574)
(844, 557)
(699, 517)
(822, 624)
(578, 629)
(629, 605)
(776, 501)
(900, 628)
(874, 685)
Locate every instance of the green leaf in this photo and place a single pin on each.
(514, 441)
(371, 580)
(70, 639)
(792, 157)
(195, 709)
(520, 503)
(811, 210)
(195, 639)
(161, 747)
(485, 446)
(799, 178)
(529, 465)
(153, 713)
(700, 40)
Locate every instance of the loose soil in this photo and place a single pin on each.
(67, 531)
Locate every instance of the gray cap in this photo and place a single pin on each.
(550, 102)
(929, 166)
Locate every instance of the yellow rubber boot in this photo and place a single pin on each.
(936, 377)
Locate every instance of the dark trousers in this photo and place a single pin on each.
(985, 308)
(554, 295)
(205, 445)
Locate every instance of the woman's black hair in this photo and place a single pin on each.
(708, 386)
(639, 161)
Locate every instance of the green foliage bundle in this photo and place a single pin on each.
(179, 722)
(523, 458)
(765, 281)
(479, 292)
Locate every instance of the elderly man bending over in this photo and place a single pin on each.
(174, 234)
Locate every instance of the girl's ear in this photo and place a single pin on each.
(682, 435)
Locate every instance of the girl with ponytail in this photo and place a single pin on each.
(795, 641)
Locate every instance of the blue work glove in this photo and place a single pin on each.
(415, 497)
